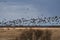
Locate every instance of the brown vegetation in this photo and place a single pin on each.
(29, 34)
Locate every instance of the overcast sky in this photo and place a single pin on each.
(15, 9)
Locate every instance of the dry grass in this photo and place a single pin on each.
(16, 33)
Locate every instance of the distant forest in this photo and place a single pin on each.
(39, 21)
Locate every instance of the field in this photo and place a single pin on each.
(29, 33)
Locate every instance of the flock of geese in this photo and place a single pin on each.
(32, 21)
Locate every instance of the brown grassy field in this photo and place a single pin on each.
(29, 33)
